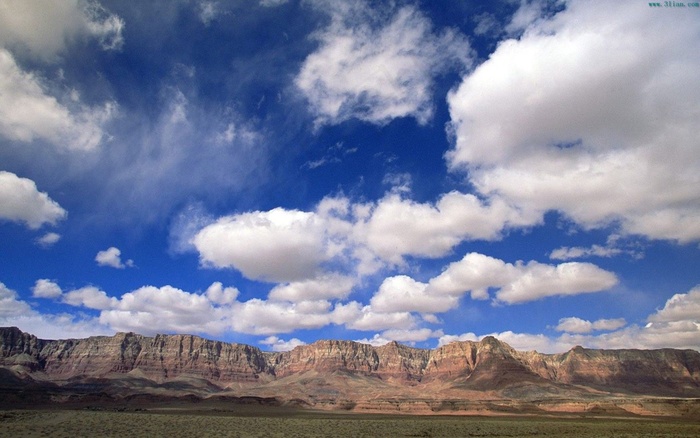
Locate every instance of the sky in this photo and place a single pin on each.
(277, 172)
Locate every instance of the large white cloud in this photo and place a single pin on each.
(277, 245)
(90, 297)
(28, 112)
(399, 226)
(376, 72)
(21, 201)
(680, 307)
(292, 246)
(152, 309)
(323, 287)
(45, 28)
(587, 115)
(404, 294)
(519, 282)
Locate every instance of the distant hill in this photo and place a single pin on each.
(483, 377)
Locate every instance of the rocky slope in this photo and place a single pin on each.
(344, 373)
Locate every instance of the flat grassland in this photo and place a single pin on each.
(73, 423)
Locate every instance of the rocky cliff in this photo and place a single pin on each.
(349, 369)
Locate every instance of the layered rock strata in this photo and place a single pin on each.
(479, 366)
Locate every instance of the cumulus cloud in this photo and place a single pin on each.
(680, 307)
(376, 72)
(21, 201)
(398, 226)
(28, 112)
(218, 294)
(151, 310)
(357, 316)
(403, 294)
(45, 288)
(262, 317)
(90, 297)
(277, 245)
(45, 29)
(578, 325)
(362, 237)
(324, 287)
(519, 282)
(10, 305)
(277, 344)
(112, 257)
(585, 115)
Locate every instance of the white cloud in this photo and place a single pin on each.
(519, 282)
(112, 257)
(218, 294)
(150, 310)
(680, 307)
(21, 201)
(398, 227)
(271, 317)
(324, 287)
(376, 73)
(578, 325)
(403, 294)
(10, 305)
(278, 245)
(362, 237)
(277, 344)
(90, 297)
(586, 115)
(356, 316)
(44, 288)
(48, 239)
(46, 28)
(27, 112)
(536, 280)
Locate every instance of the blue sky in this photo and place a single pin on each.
(279, 172)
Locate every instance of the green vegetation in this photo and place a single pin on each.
(188, 423)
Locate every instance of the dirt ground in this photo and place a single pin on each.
(174, 422)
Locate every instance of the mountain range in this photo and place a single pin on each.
(485, 377)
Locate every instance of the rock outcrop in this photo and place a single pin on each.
(342, 372)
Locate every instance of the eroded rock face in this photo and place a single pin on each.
(159, 358)
(475, 366)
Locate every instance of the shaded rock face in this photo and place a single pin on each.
(480, 366)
